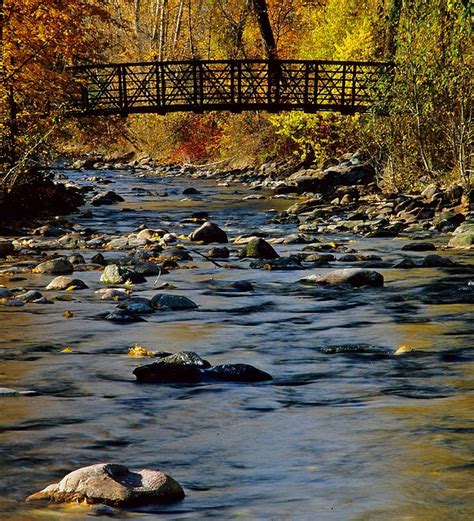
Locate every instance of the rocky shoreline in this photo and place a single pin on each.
(342, 195)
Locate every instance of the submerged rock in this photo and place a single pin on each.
(59, 266)
(62, 283)
(419, 246)
(108, 198)
(30, 296)
(162, 372)
(5, 293)
(191, 191)
(114, 274)
(136, 306)
(436, 261)
(282, 263)
(112, 484)
(352, 276)
(219, 253)
(173, 302)
(121, 316)
(208, 233)
(237, 373)
(189, 367)
(258, 248)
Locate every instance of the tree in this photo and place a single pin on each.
(39, 40)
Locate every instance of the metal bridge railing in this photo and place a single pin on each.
(231, 85)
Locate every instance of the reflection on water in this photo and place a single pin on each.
(345, 431)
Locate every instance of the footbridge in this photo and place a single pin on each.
(228, 85)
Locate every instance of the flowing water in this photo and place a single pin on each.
(345, 431)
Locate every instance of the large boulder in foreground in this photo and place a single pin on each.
(209, 233)
(258, 248)
(112, 484)
(354, 277)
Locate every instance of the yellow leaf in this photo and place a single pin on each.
(404, 349)
(71, 288)
(138, 351)
(66, 350)
(68, 314)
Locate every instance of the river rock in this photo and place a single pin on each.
(448, 221)
(76, 259)
(282, 263)
(463, 236)
(112, 294)
(419, 246)
(13, 303)
(405, 264)
(108, 198)
(189, 367)
(49, 230)
(112, 484)
(151, 235)
(30, 296)
(175, 254)
(258, 248)
(242, 286)
(173, 302)
(59, 266)
(351, 276)
(436, 261)
(237, 373)
(167, 373)
(63, 282)
(6, 248)
(6, 392)
(98, 258)
(209, 233)
(114, 274)
(186, 358)
(5, 292)
(191, 191)
(136, 306)
(218, 253)
(121, 316)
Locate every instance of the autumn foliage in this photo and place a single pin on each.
(425, 131)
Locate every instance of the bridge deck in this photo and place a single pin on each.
(232, 85)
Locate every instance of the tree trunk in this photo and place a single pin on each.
(177, 30)
(266, 30)
(393, 21)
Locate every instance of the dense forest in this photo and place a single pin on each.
(421, 130)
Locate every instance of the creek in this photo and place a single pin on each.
(345, 431)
